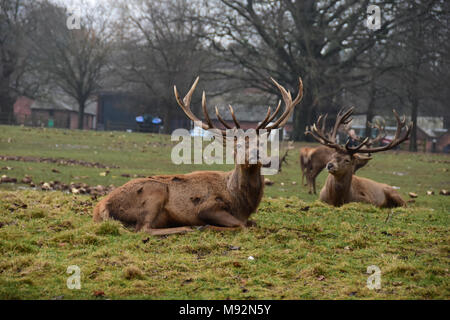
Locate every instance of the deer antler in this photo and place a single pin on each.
(329, 140)
(287, 98)
(401, 123)
(280, 122)
(343, 118)
(185, 104)
(380, 136)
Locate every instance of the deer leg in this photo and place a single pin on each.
(154, 219)
(314, 184)
(166, 231)
(220, 218)
(393, 199)
(251, 223)
(309, 182)
(216, 228)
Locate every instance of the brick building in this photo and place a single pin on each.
(58, 111)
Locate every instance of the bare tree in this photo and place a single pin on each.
(160, 44)
(323, 41)
(74, 61)
(421, 46)
(17, 24)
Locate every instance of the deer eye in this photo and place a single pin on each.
(347, 161)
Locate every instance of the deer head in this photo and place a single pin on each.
(251, 153)
(345, 158)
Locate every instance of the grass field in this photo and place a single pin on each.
(302, 249)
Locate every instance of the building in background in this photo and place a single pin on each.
(431, 134)
(56, 111)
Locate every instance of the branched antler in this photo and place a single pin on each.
(401, 123)
(318, 129)
(280, 122)
(344, 118)
(372, 141)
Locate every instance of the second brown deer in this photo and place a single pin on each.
(342, 186)
(314, 159)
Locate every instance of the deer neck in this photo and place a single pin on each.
(338, 187)
(246, 188)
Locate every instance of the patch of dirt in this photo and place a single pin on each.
(59, 161)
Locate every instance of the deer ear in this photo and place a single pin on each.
(361, 157)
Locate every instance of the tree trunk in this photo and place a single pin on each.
(370, 107)
(168, 116)
(414, 111)
(81, 105)
(6, 109)
(6, 102)
(302, 118)
(414, 99)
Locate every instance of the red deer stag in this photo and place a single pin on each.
(342, 186)
(314, 160)
(169, 204)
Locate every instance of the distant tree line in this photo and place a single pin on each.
(147, 46)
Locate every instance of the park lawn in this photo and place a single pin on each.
(302, 249)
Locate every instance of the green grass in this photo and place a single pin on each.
(302, 249)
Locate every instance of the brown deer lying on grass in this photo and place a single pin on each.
(168, 204)
(314, 160)
(342, 186)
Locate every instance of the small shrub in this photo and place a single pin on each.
(132, 272)
(108, 228)
(37, 214)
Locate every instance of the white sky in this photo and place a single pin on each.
(70, 3)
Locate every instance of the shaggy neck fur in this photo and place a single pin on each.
(338, 188)
(246, 186)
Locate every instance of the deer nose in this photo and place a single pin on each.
(329, 166)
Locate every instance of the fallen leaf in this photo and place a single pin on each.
(99, 293)
(413, 195)
(46, 186)
(321, 278)
(6, 179)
